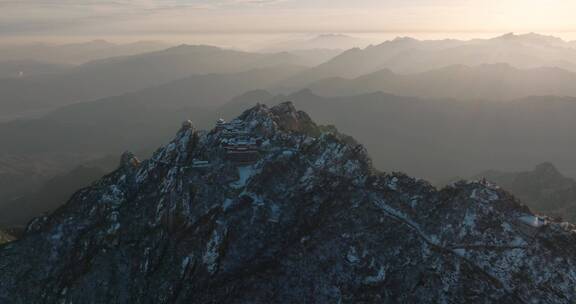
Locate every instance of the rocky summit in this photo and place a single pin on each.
(272, 208)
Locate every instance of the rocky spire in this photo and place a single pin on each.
(288, 118)
(129, 160)
(187, 125)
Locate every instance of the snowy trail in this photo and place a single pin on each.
(399, 216)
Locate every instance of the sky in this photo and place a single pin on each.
(27, 19)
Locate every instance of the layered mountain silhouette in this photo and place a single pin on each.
(19, 69)
(36, 150)
(437, 138)
(17, 212)
(301, 215)
(134, 119)
(77, 53)
(495, 81)
(430, 65)
(408, 55)
(20, 173)
(314, 57)
(432, 138)
(544, 189)
(118, 75)
(40, 90)
(339, 42)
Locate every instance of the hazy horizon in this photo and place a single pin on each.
(251, 23)
(260, 41)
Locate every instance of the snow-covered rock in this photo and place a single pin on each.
(315, 225)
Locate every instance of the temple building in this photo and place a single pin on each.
(241, 147)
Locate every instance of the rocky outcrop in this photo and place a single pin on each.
(310, 222)
(5, 237)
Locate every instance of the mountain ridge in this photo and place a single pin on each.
(77, 53)
(308, 219)
(488, 81)
(408, 55)
(119, 75)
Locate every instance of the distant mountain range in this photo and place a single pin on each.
(493, 81)
(448, 127)
(22, 172)
(114, 76)
(321, 42)
(36, 150)
(432, 67)
(543, 189)
(19, 211)
(19, 69)
(77, 53)
(314, 57)
(408, 55)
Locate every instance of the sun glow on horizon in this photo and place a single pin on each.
(66, 19)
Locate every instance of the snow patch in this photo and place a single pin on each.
(227, 204)
(244, 173)
(379, 277)
(352, 256)
(532, 220)
(393, 184)
(211, 255)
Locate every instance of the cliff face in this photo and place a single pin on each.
(307, 221)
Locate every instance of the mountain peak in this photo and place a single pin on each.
(331, 36)
(404, 39)
(129, 160)
(510, 35)
(546, 168)
(531, 38)
(548, 174)
(283, 117)
(184, 48)
(91, 43)
(270, 200)
(304, 94)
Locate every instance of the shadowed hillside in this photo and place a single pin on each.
(543, 189)
(496, 82)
